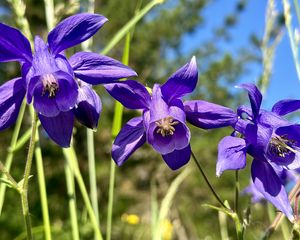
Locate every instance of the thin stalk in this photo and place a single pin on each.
(49, 11)
(42, 188)
(86, 46)
(297, 7)
(238, 226)
(8, 176)
(237, 192)
(72, 201)
(24, 190)
(288, 24)
(208, 183)
(129, 25)
(10, 155)
(73, 162)
(116, 127)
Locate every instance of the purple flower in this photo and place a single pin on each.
(163, 124)
(270, 140)
(287, 177)
(59, 88)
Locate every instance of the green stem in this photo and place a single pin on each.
(237, 192)
(296, 4)
(116, 127)
(72, 160)
(24, 190)
(72, 201)
(208, 183)
(92, 173)
(42, 187)
(238, 226)
(288, 24)
(124, 30)
(10, 155)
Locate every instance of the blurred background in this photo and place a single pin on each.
(232, 45)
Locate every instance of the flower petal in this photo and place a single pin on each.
(88, 107)
(74, 30)
(178, 158)
(59, 128)
(11, 96)
(97, 69)
(159, 109)
(130, 138)
(286, 106)
(255, 97)
(269, 185)
(66, 95)
(14, 46)
(183, 81)
(231, 154)
(208, 115)
(131, 94)
(44, 104)
(291, 137)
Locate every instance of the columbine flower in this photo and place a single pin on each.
(51, 80)
(163, 123)
(270, 140)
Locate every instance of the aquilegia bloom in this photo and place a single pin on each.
(272, 142)
(163, 124)
(59, 88)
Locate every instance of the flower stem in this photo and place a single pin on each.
(72, 160)
(72, 201)
(207, 182)
(24, 189)
(237, 192)
(43, 191)
(10, 155)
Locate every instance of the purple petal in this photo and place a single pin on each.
(66, 95)
(231, 154)
(97, 69)
(208, 115)
(74, 30)
(183, 81)
(11, 96)
(166, 144)
(159, 109)
(256, 196)
(286, 106)
(178, 158)
(88, 107)
(290, 136)
(43, 61)
(130, 138)
(59, 128)
(43, 103)
(14, 46)
(131, 94)
(269, 185)
(254, 96)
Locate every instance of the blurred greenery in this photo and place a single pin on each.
(156, 52)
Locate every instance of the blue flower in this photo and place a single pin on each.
(163, 123)
(271, 140)
(59, 88)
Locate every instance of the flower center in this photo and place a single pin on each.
(281, 145)
(50, 84)
(165, 126)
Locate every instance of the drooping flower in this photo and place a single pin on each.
(271, 140)
(163, 124)
(52, 82)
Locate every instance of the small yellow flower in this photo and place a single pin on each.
(130, 219)
(167, 230)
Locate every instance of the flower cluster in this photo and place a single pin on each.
(60, 88)
(61, 91)
(271, 140)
